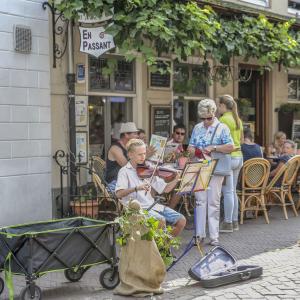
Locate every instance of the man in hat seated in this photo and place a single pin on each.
(117, 153)
(131, 186)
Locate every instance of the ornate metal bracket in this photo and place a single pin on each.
(59, 29)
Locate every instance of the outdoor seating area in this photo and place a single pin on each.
(257, 192)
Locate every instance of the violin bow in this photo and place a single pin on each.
(156, 165)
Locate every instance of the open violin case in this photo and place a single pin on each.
(219, 267)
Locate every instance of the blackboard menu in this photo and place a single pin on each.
(161, 120)
(157, 79)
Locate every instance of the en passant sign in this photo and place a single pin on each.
(95, 41)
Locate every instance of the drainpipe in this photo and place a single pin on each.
(71, 101)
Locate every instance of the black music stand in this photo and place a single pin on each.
(195, 177)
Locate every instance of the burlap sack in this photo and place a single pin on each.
(141, 267)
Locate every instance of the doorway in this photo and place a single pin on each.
(105, 117)
(253, 102)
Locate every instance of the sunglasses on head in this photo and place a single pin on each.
(180, 133)
(207, 119)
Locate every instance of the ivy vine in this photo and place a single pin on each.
(184, 28)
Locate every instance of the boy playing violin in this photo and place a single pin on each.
(129, 185)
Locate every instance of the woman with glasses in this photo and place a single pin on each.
(209, 135)
(227, 107)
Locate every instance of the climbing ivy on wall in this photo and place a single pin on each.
(183, 28)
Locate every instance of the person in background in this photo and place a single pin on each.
(276, 148)
(117, 154)
(227, 107)
(288, 151)
(117, 124)
(130, 186)
(142, 135)
(150, 150)
(208, 202)
(249, 148)
(178, 136)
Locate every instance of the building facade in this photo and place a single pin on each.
(25, 113)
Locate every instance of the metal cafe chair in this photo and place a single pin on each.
(279, 190)
(254, 178)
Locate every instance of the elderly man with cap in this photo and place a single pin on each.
(117, 153)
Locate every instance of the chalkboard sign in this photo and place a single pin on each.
(157, 79)
(161, 120)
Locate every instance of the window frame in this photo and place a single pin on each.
(262, 3)
(112, 80)
(293, 11)
(297, 77)
(190, 72)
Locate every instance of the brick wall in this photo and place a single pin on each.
(25, 116)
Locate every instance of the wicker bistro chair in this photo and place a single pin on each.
(255, 174)
(98, 165)
(109, 206)
(280, 187)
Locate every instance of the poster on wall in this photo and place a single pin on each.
(81, 110)
(81, 147)
(80, 73)
(161, 120)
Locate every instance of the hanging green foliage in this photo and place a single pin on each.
(183, 28)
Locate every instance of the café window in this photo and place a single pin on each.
(294, 7)
(161, 78)
(190, 80)
(265, 3)
(293, 87)
(121, 79)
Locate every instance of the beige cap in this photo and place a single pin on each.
(128, 127)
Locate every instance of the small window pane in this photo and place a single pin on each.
(124, 76)
(292, 87)
(294, 4)
(157, 79)
(199, 81)
(181, 78)
(96, 78)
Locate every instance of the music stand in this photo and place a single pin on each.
(195, 177)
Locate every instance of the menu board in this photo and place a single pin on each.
(161, 120)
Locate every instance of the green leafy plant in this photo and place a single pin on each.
(150, 230)
(289, 107)
(147, 29)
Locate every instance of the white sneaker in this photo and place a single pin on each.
(214, 242)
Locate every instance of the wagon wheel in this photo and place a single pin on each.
(26, 295)
(74, 276)
(1, 285)
(109, 278)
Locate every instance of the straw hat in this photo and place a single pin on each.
(128, 127)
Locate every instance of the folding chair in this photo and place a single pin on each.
(280, 187)
(255, 174)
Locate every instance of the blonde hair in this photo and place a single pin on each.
(207, 106)
(134, 143)
(231, 105)
(278, 135)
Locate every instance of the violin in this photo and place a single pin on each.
(145, 171)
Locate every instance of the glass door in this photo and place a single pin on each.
(106, 114)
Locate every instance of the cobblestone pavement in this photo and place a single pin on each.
(273, 246)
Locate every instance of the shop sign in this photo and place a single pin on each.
(95, 41)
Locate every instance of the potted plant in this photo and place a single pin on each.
(86, 203)
(148, 229)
